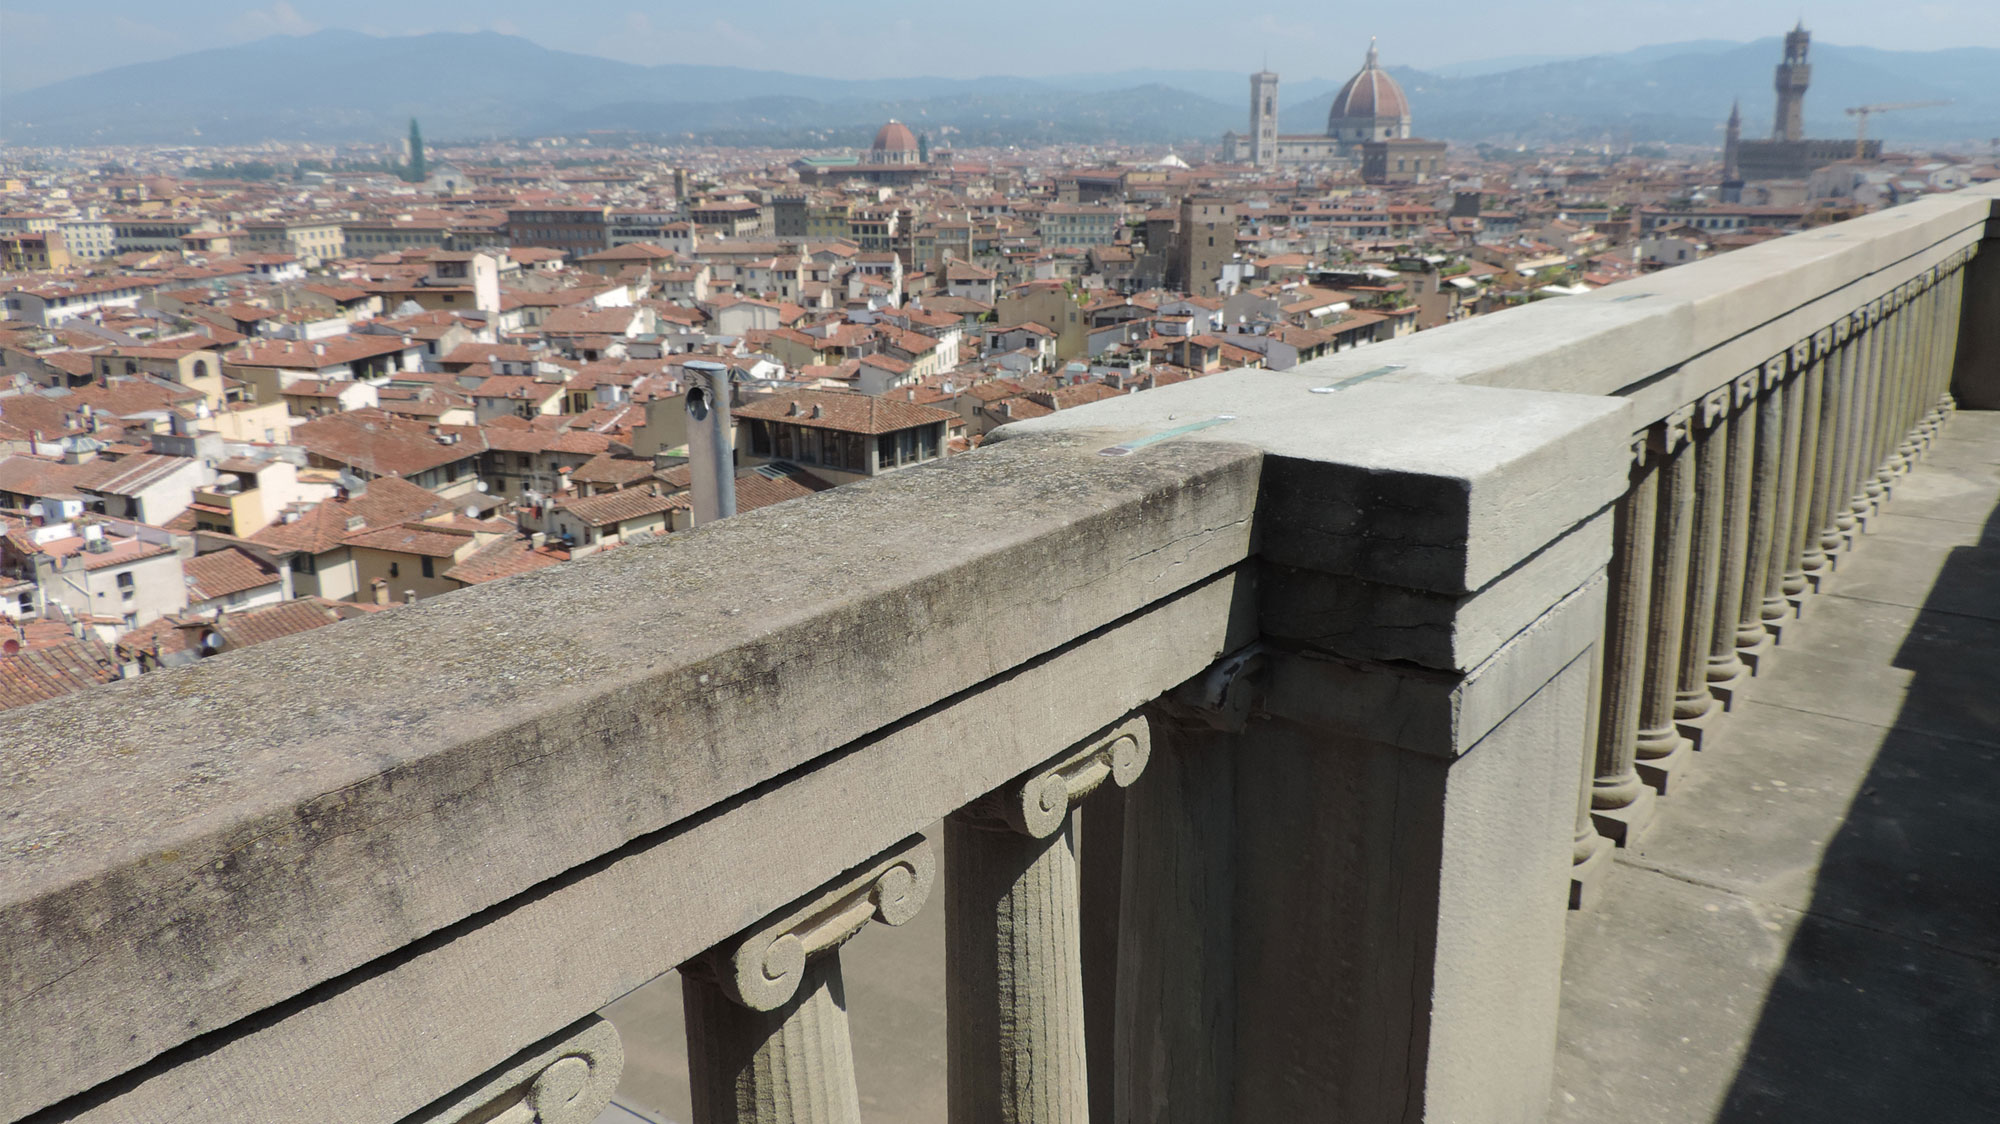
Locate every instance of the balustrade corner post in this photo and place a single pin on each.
(1622, 806)
(1015, 1015)
(1726, 669)
(767, 1011)
(1975, 377)
(1663, 751)
(1590, 853)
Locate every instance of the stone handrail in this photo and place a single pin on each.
(389, 869)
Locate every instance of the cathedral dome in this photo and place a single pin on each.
(895, 137)
(1368, 95)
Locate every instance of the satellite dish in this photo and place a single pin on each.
(480, 486)
(211, 640)
(472, 511)
(10, 648)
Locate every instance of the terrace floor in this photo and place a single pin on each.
(1811, 929)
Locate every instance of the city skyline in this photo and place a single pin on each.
(1293, 38)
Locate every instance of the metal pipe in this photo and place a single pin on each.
(711, 459)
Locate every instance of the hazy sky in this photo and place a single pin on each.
(45, 40)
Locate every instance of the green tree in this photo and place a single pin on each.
(417, 171)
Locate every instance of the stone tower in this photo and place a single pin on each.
(1264, 119)
(1793, 75)
(1732, 143)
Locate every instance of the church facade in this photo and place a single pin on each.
(1370, 108)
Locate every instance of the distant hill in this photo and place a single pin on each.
(347, 86)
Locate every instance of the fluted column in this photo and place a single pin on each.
(1014, 1017)
(1869, 490)
(1726, 668)
(1836, 432)
(1752, 637)
(1811, 356)
(767, 1012)
(1894, 373)
(1777, 606)
(1929, 414)
(1918, 302)
(1662, 749)
(1867, 374)
(1694, 703)
(1620, 802)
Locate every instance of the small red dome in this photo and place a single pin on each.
(895, 137)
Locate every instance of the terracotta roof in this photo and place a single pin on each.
(606, 468)
(382, 444)
(52, 663)
(514, 554)
(223, 572)
(323, 526)
(849, 413)
(241, 630)
(414, 537)
(616, 507)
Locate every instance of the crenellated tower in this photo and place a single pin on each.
(1793, 76)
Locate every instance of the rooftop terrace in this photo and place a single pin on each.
(1360, 671)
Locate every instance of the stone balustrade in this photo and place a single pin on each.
(1359, 670)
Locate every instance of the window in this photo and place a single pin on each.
(125, 582)
(393, 570)
(305, 564)
(428, 567)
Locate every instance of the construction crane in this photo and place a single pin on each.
(1860, 114)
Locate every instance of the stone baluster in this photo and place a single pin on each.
(1895, 369)
(1861, 501)
(1903, 444)
(1953, 306)
(1662, 750)
(767, 1011)
(1921, 403)
(1015, 1018)
(1694, 703)
(1760, 536)
(1836, 433)
(1726, 669)
(1620, 802)
(1776, 605)
(1923, 407)
(1811, 356)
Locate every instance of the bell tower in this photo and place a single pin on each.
(1264, 119)
(1793, 75)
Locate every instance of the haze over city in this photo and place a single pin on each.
(1038, 37)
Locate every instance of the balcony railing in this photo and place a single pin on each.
(1327, 653)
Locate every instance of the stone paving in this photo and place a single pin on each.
(1811, 928)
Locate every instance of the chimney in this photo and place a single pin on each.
(381, 589)
(537, 541)
(409, 597)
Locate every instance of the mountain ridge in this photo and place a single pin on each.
(347, 86)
